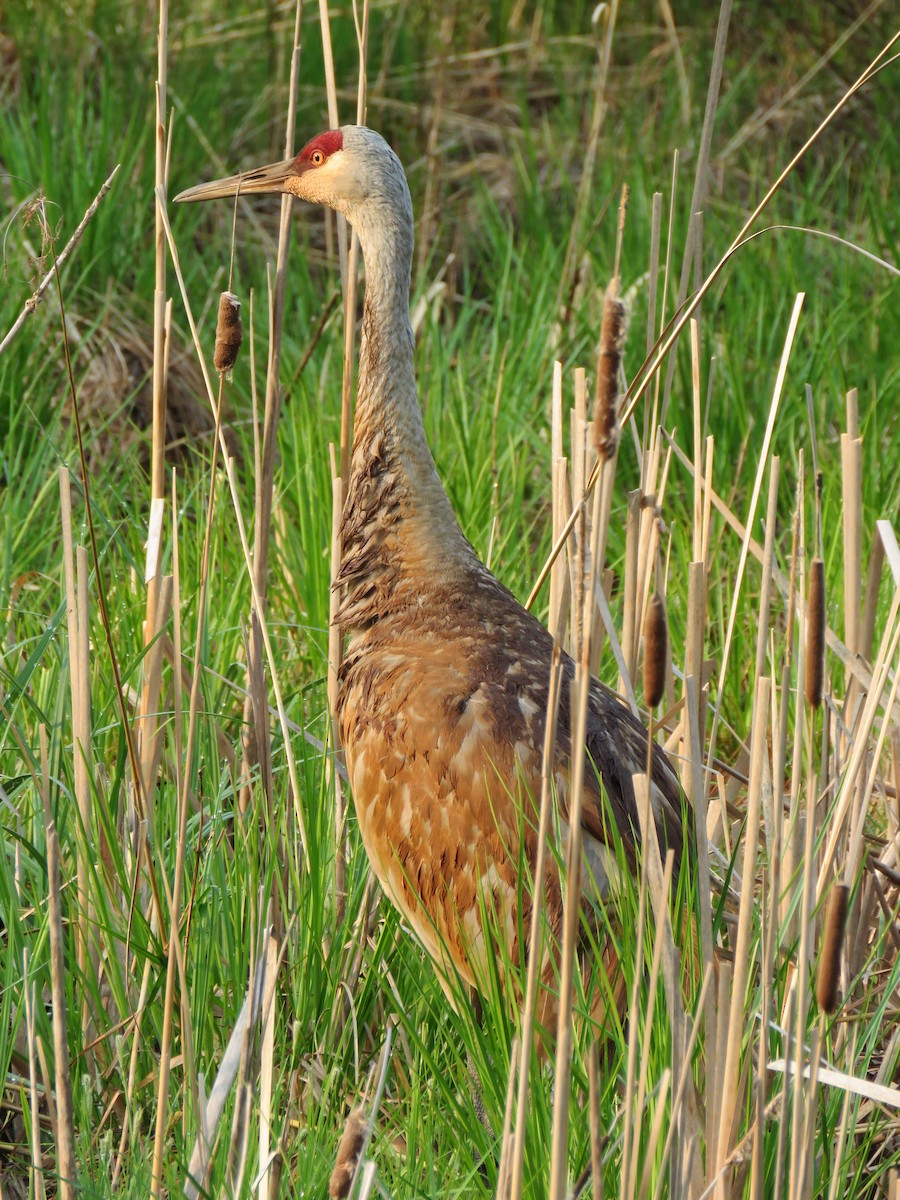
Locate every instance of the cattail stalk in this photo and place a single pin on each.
(609, 363)
(349, 1149)
(656, 650)
(229, 332)
(829, 973)
(815, 634)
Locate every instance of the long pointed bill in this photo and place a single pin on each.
(264, 179)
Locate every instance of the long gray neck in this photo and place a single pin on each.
(397, 519)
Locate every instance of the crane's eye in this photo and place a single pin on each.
(317, 158)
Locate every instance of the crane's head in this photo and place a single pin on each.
(351, 169)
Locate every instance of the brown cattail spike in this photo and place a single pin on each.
(656, 651)
(815, 634)
(229, 332)
(352, 1141)
(609, 361)
(829, 972)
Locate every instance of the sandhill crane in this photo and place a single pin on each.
(444, 685)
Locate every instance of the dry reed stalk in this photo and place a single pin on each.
(597, 1189)
(634, 1106)
(182, 784)
(799, 983)
(653, 277)
(765, 594)
(742, 966)
(701, 178)
(652, 291)
(768, 911)
(682, 1093)
(47, 1078)
(146, 717)
(647, 556)
(667, 275)
(81, 729)
(851, 510)
(556, 413)
(870, 607)
(659, 877)
(751, 517)
(629, 1108)
(577, 549)
(76, 573)
(335, 652)
(267, 1067)
(560, 583)
(37, 1157)
(694, 667)
(698, 439)
(437, 90)
(35, 298)
(572, 902)
(708, 494)
(598, 113)
(815, 634)
(791, 696)
(65, 1132)
(659, 1112)
(265, 479)
(697, 794)
(507, 1137)
(535, 935)
(349, 273)
(630, 585)
(151, 748)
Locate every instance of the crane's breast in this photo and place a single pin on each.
(444, 804)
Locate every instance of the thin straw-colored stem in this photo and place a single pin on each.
(742, 964)
(265, 481)
(65, 1131)
(59, 261)
(535, 935)
(751, 514)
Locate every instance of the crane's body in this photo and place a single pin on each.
(444, 685)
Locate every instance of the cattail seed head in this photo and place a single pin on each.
(656, 651)
(229, 332)
(609, 361)
(829, 973)
(349, 1149)
(815, 634)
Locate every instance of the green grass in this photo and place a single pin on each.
(513, 128)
